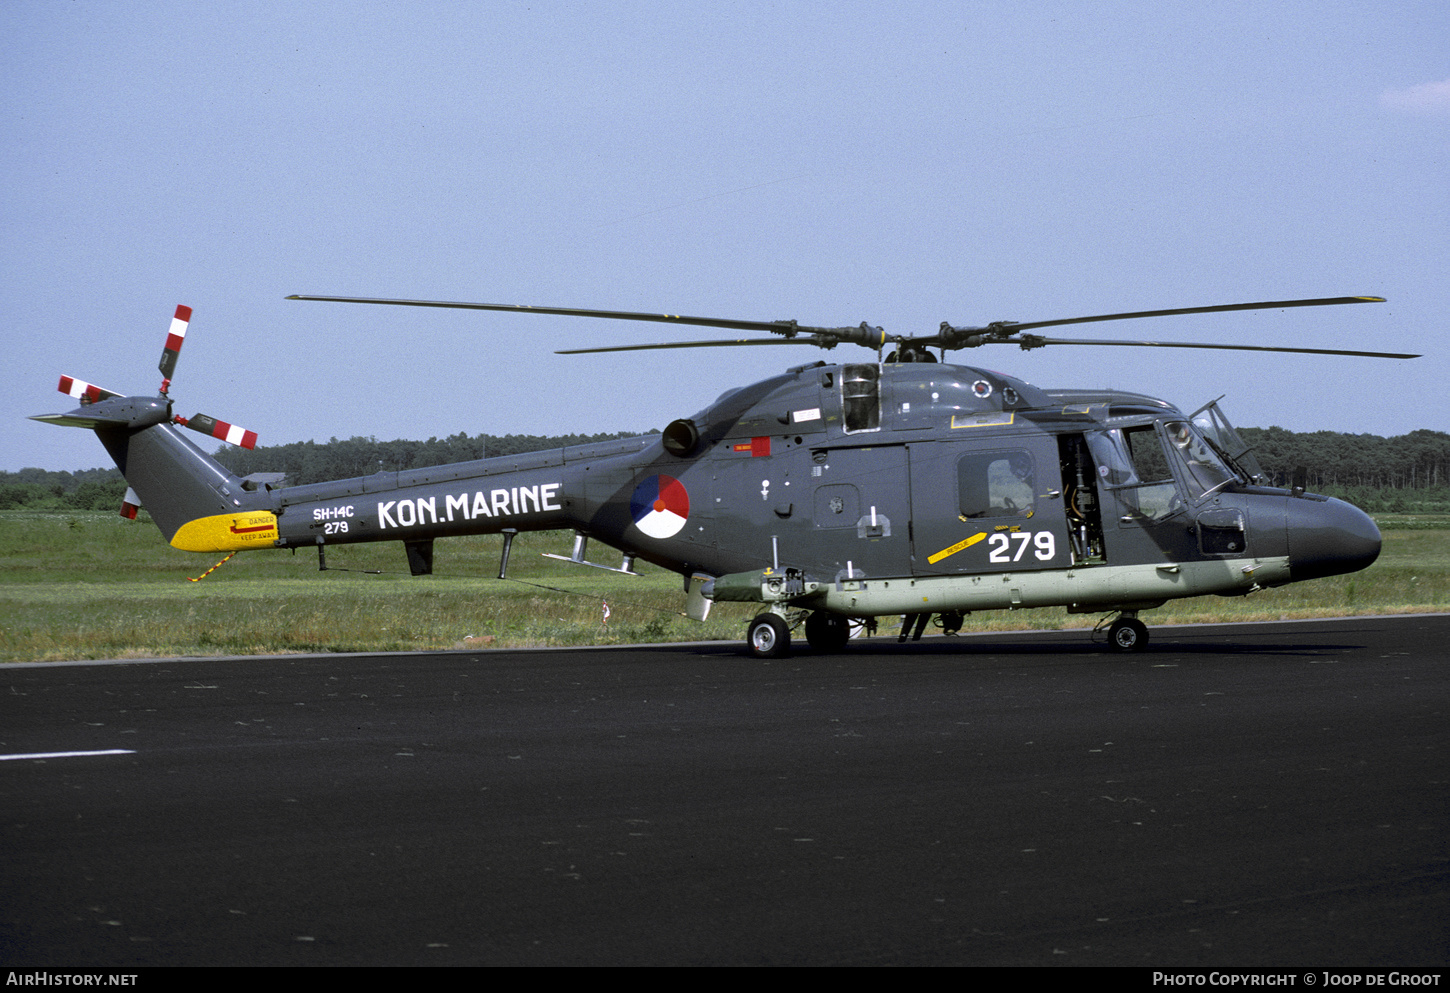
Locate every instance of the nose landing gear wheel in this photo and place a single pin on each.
(1128, 634)
(768, 637)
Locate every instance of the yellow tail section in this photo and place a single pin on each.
(227, 532)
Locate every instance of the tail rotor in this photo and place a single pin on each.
(104, 409)
(221, 430)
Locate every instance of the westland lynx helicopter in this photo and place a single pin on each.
(828, 494)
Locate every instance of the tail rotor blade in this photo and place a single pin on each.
(83, 391)
(140, 413)
(130, 503)
(230, 433)
(174, 338)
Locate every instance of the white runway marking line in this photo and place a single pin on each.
(67, 755)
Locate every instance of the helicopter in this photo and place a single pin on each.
(828, 494)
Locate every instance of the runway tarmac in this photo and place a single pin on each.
(1271, 794)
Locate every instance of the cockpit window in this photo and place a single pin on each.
(1129, 456)
(1133, 462)
(1136, 462)
(861, 397)
(1204, 470)
(1146, 452)
(1214, 425)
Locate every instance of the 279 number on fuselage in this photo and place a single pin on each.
(1043, 544)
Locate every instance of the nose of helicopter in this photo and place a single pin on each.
(1329, 538)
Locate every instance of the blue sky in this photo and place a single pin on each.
(900, 164)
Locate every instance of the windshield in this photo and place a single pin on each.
(1206, 472)
(1214, 425)
(1135, 461)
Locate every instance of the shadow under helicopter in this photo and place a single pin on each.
(982, 647)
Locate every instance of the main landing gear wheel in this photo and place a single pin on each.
(768, 637)
(1128, 634)
(827, 632)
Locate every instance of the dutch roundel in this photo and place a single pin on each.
(660, 506)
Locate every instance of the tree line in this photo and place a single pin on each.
(1406, 472)
(302, 462)
(1418, 460)
(314, 462)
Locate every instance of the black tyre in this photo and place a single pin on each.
(768, 637)
(1128, 634)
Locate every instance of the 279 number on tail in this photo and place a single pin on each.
(1044, 545)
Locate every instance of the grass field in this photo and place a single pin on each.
(91, 585)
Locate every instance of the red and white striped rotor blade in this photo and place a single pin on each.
(130, 503)
(83, 391)
(230, 433)
(174, 338)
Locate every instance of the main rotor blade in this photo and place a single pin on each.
(779, 327)
(1034, 341)
(698, 344)
(1000, 332)
(1220, 308)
